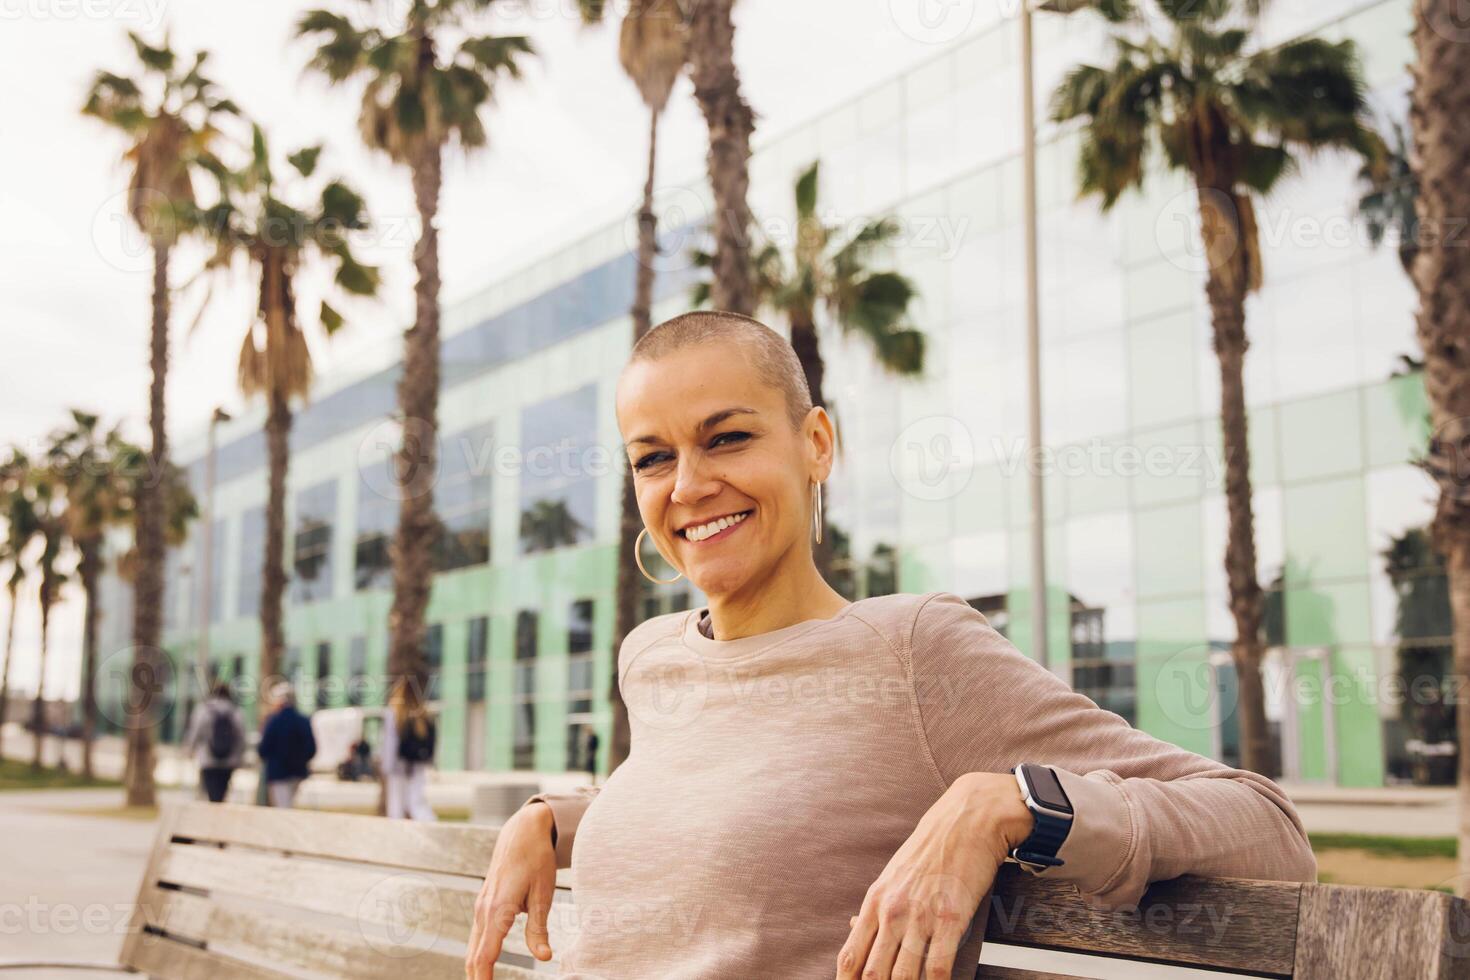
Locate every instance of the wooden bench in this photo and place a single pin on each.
(253, 892)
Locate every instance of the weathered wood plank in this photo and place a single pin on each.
(159, 956)
(168, 818)
(406, 901)
(271, 939)
(1224, 923)
(411, 844)
(1382, 934)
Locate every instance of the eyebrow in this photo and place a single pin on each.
(708, 423)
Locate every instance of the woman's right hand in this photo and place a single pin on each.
(522, 878)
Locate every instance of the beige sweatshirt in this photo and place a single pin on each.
(772, 777)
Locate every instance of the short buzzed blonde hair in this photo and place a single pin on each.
(771, 354)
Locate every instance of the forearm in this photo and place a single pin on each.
(1129, 832)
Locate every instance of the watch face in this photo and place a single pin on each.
(1047, 789)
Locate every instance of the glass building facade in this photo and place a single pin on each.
(930, 492)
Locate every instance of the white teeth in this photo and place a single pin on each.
(703, 531)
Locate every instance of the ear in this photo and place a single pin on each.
(821, 437)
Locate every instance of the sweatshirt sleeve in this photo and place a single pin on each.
(1145, 809)
(566, 814)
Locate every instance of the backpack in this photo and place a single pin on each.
(221, 735)
(416, 741)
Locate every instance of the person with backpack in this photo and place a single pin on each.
(217, 738)
(286, 747)
(408, 753)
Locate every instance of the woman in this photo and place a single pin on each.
(405, 725)
(818, 786)
(217, 736)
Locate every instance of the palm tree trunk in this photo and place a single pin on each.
(630, 588)
(1226, 289)
(730, 123)
(1440, 103)
(38, 706)
(148, 585)
(273, 568)
(417, 459)
(11, 590)
(89, 568)
(809, 353)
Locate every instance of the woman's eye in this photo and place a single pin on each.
(648, 460)
(738, 436)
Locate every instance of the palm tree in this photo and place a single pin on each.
(1438, 109)
(20, 529)
(420, 93)
(652, 46)
(253, 220)
(169, 117)
(1233, 117)
(49, 497)
(710, 40)
(96, 499)
(828, 276)
(1388, 201)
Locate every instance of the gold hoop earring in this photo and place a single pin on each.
(638, 557)
(818, 510)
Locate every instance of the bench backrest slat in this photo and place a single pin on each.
(1220, 923)
(1382, 934)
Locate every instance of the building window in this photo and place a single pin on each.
(993, 608)
(523, 749)
(377, 515)
(1101, 670)
(316, 509)
(434, 648)
(356, 670)
(252, 561)
(323, 673)
(291, 667)
(475, 658)
(579, 682)
(558, 488)
(462, 499)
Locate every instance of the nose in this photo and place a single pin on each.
(691, 481)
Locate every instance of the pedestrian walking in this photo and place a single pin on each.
(216, 736)
(286, 747)
(408, 753)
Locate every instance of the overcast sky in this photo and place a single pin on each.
(566, 154)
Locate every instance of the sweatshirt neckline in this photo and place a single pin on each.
(746, 646)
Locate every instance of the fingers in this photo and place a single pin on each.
(854, 954)
(538, 940)
(492, 920)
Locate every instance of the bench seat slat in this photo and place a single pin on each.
(1345, 932)
(389, 897)
(1234, 924)
(339, 953)
(160, 956)
(989, 972)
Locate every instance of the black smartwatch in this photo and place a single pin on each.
(1052, 813)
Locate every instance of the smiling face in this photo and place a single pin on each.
(707, 440)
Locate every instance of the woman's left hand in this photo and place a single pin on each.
(917, 913)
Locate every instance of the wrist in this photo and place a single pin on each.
(996, 800)
(542, 818)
